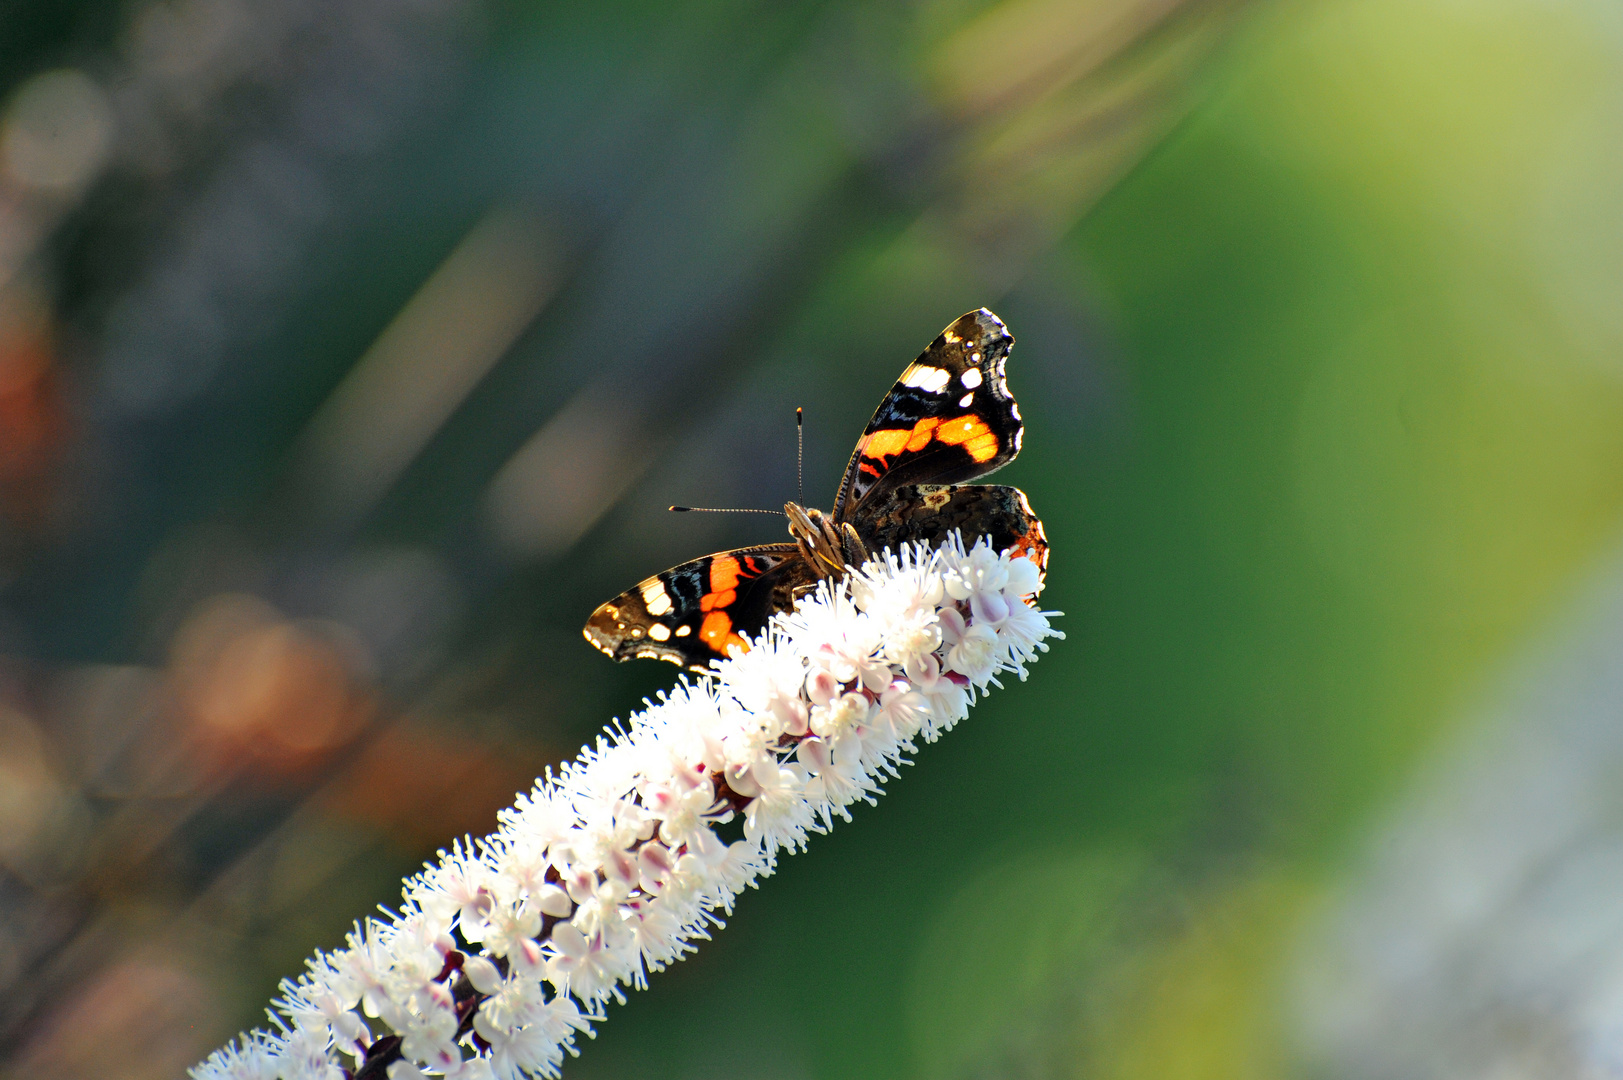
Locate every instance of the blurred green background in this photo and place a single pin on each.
(350, 351)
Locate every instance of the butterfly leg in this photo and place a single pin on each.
(855, 553)
(811, 559)
(831, 540)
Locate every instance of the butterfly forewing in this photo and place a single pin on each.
(948, 419)
(701, 610)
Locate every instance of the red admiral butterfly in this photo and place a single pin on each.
(947, 420)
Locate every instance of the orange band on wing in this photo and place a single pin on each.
(882, 444)
(723, 573)
(717, 633)
(892, 441)
(712, 600)
(921, 433)
(972, 434)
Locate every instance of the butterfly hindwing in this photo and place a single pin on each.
(696, 612)
(928, 513)
(948, 419)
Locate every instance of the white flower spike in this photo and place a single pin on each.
(506, 949)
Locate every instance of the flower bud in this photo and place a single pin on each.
(482, 974)
(655, 865)
(1024, 578)
(821, 686)
(739, 779)
(526, 958)
(554, 901)
(989, 609)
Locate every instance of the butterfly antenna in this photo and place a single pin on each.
(800, 472)
(721, 510)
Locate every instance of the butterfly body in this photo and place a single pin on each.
(948, 419)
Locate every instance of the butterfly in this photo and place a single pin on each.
(949, 419)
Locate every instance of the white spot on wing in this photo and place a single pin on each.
(655, 597)
(963, 402)
(683, 631)
(659, 632)
(971, 378)
(924, 377)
